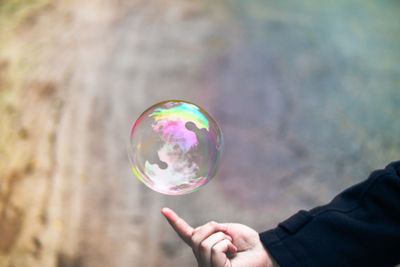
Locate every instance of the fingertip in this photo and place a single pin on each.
(232, 248)
(164, 210)
(169, 213)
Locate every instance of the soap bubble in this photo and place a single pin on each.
(175, 147)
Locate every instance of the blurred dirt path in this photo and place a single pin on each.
(128, 58)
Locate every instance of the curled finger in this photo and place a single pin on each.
(219, 252)
(201, 233)
(207, 245)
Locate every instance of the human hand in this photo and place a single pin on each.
(222, 245)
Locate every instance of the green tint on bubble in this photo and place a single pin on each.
(175, 147)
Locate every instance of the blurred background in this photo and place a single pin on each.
(306, 93)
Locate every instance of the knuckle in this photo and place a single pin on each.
(194, 231)
(214, 250)
(204, 247)
(193, 239)
(213, 223)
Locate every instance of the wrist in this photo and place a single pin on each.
(268, 259)
(273, 261)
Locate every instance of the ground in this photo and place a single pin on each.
(305, 94)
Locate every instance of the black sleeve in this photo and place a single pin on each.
(360, 227)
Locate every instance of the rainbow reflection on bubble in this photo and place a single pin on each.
(175, 147)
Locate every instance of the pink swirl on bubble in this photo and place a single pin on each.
(176, 133)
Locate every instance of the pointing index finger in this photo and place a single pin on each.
(183, 229)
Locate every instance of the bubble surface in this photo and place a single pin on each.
(175, 147)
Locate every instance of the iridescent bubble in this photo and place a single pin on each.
(175, 147)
